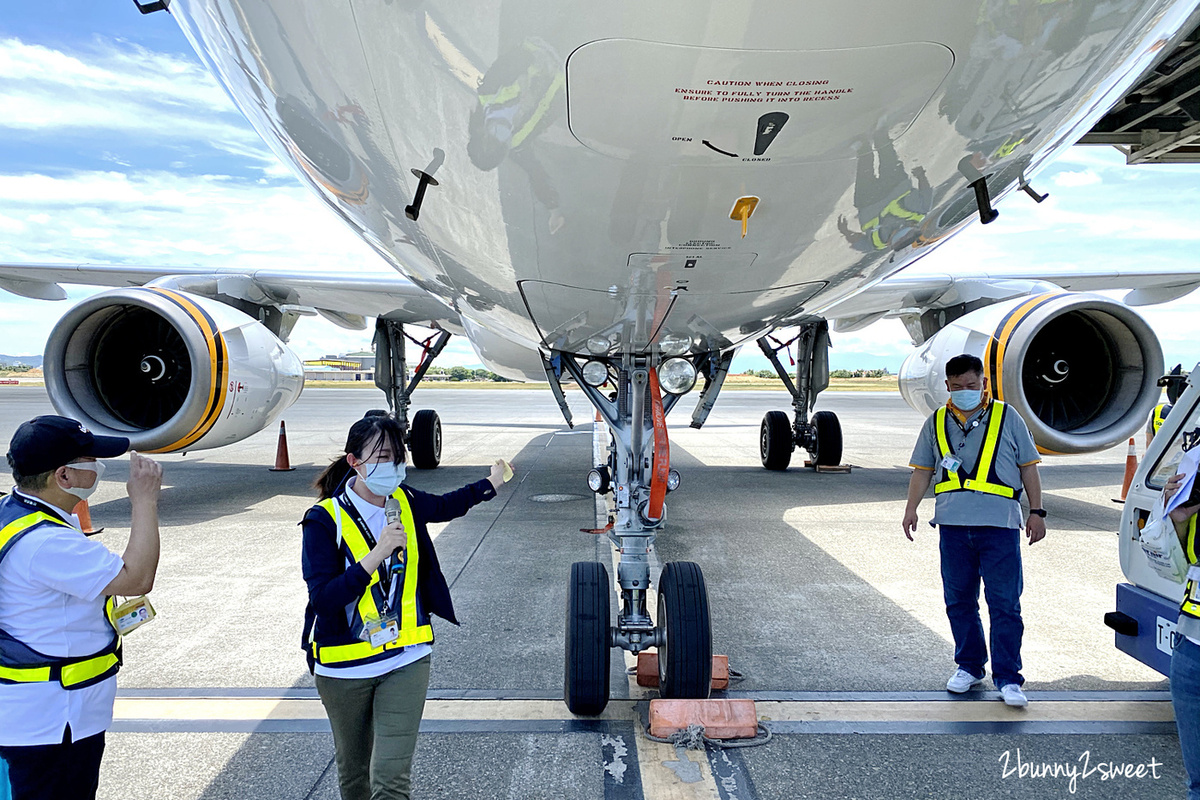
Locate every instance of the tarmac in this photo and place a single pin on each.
(833, 620)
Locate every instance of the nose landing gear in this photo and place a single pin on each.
(638, 477)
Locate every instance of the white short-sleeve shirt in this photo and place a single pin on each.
(51, 584)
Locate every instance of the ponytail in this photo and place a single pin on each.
(332, 478)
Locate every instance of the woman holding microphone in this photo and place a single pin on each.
(373, 583)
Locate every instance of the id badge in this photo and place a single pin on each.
(1193, 583)
(132, 614)
(951, 463)
(380, 631)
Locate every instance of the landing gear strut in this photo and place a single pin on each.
(424, 435)
(637, 464)
(822, 435)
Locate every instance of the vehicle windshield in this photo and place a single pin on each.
(1168, 462)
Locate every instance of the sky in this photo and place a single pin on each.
(117, 146)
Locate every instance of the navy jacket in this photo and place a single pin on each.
(332, 587)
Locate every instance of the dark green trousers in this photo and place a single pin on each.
(375, 722)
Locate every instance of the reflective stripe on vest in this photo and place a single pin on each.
(1191, 606)
(354, 546)
(20, 663)
(989, 483)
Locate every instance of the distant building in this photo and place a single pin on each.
(348, 367)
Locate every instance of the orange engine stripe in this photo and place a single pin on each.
(1004, 331)
(218, 373)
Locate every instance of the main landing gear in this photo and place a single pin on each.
(822, 435)
(423, 436)
(638, 474)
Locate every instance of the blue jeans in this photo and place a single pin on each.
(1185, 696)
(971, 553)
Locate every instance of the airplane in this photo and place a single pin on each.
(623, 195)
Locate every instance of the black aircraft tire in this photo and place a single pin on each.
(425, 439)
(829, 439)
(685, 656)
(775, 441)
(586, 676)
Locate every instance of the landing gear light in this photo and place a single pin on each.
(598, 480)
(595, 373)
(673, 480)
(677, 375)
(674, 344)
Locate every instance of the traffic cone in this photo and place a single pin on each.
(282, 463)
(85, 518)
(1131, 462)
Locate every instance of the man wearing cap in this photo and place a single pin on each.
(59, 651)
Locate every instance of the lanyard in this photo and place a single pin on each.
(383, 571)
(972, 425)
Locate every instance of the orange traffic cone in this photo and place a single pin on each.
(282, 463)
(1131, 462)
(85, 518)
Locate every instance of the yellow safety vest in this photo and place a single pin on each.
(354, 545)
(1159, 416)
(894, 209)
(1191, 592)
(983, 479)
(20, 663)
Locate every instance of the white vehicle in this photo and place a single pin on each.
(627, 192)
(1148, 606)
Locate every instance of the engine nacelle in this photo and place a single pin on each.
(169, 370)
(1081, 369)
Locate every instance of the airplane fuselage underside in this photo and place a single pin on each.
(589, 157)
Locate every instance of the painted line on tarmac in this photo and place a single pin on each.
(298, 692)
(169, 713)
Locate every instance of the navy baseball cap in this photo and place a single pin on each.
(46, 443)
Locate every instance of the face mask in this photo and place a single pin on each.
(966, 399)
(90, 466)
(384, 479)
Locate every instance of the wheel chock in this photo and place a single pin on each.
(721, 719)
(647, 671)
(840, 469)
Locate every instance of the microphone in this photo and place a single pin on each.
(391, 513)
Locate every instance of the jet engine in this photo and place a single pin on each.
(168, 369)
(1081, 369)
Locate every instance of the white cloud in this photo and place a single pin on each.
(1074, 179)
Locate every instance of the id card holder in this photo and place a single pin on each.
(951, 463)
(1193, 583)
(132, 614)
(380, 631)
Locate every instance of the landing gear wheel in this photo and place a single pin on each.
(585, 683)
(828, 450)
(425, 439)
(775, 441)
(685, 655)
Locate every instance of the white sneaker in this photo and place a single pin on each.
(962, 681)
(1012, 695)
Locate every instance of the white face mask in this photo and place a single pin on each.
(89, 466)
(383, 479)
(966, 399)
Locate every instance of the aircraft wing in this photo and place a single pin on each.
(907, 295)
(344, 300)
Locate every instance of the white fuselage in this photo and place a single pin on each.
(589, 155)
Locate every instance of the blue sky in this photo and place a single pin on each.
(117, 146)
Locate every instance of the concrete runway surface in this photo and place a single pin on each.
(833, 618)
